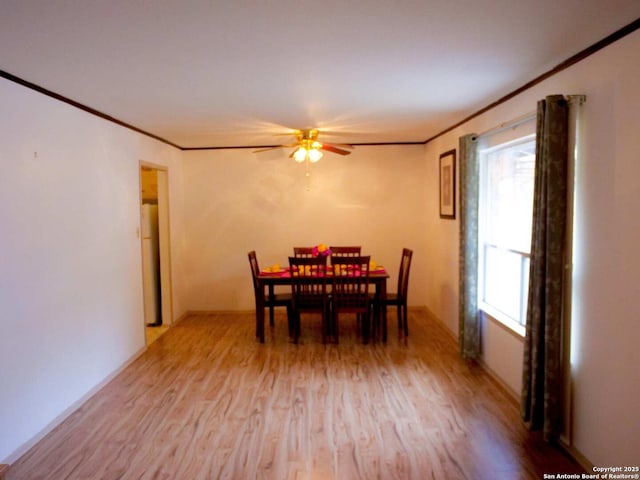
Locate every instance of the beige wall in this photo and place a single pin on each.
(606, 312)
(70, 259)
(236, 201)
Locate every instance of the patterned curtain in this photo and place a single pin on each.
(542, 378)
(469, 328)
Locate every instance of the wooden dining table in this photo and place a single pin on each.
(269, 280)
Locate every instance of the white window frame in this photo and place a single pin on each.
(490, 310)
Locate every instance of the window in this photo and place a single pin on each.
(506, 208)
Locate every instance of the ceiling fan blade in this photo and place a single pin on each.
(340, 145)
(266, 149)
(335, 133)
(292, 133)
(331, 148)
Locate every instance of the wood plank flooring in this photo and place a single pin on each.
(207, 401)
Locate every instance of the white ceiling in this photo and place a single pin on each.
(237, 73)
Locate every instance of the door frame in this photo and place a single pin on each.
(164, 232)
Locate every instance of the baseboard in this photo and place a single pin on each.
(577, 456)
(3, 470)
(25, 447)
(252, 311)
(217, 312)
(181, 318)
(435, 317)
(495, 378)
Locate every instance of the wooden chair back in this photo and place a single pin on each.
(403, 275)
(303, 252)
(350, 286)
(255, 269)
(345, 251)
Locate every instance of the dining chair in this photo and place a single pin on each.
(350, 292)
(303, 252)
(399, 298)
(270, 301)
(309, 291)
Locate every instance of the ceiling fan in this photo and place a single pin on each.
(308, 148)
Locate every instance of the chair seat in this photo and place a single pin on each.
(393, 299)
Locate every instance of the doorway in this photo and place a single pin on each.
(156, 254)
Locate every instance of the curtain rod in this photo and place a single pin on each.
(509, 124)
(580, 99)
(576, 98)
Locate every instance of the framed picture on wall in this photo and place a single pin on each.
(448, 184)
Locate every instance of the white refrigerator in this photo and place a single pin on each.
(151, 265)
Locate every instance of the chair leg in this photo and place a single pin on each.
(293, 329)
(271, 322)
(372, 317)
(365, 328)
(334, 326)
(324, 326)
(399, 314)
(374, 321)
(405, 320)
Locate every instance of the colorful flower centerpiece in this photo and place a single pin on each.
(321, 249)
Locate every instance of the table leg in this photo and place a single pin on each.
(381, 313)
(260, 314)
(382, 306)
(271, 297)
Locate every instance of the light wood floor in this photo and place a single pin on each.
(207, 401)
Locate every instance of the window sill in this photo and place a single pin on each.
(502, 320)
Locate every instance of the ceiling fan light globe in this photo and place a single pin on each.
(300, 154)
(314, 155)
